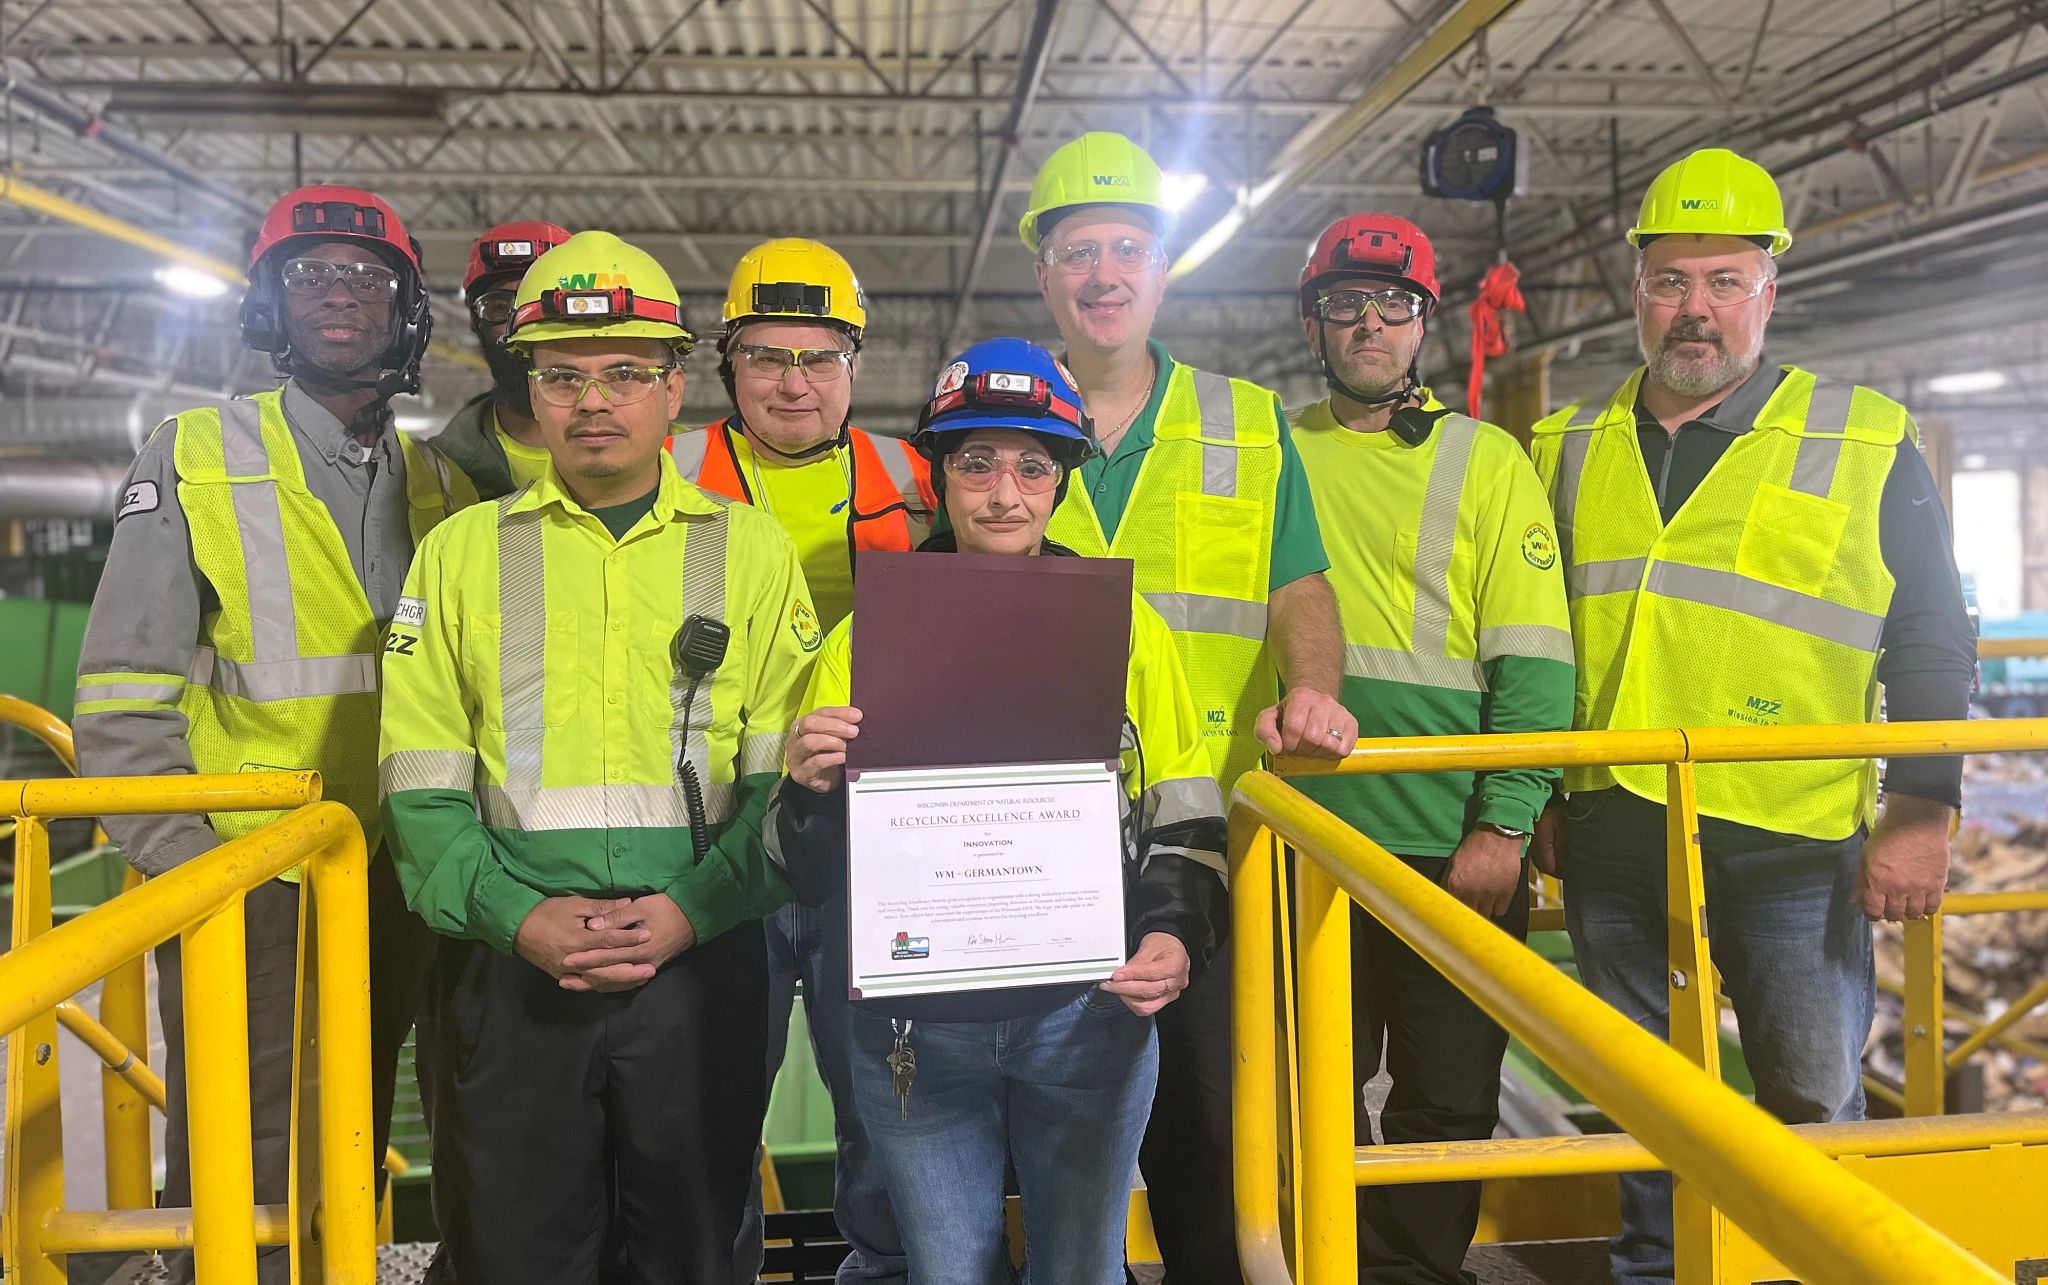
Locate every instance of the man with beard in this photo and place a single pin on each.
(258, 553)
(794, 320)
(1746, 542)
(1199, 485)
(1445, 566)
(494, 437)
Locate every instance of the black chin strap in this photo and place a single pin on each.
(1407, 389)
(811, 452)
(370, 415)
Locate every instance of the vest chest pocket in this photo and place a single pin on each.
(1791, 538)
(537, 686)
(1219, 546)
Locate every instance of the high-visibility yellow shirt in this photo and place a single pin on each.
(1444, 559)
(809, 500)
(526, 462)
(535, 714)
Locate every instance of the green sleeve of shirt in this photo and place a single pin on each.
(1525, 641)
(450, 868)
(1297, 539)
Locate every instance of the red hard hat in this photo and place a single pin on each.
(327, 211)
(508, 249)
(1371, 245)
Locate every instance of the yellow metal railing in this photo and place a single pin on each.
(2008, 648)
(1783, 1192)
(202, 901)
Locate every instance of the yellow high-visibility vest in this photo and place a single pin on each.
(1763, 602)
(1199, 530)
(286, 673)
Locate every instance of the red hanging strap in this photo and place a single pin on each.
(1498, 292)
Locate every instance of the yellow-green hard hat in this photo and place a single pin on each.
(1095, 169)
(595, 284)
(1714, 192)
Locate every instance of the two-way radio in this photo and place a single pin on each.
(698, 650)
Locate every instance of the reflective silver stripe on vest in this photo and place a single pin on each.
(273, 634)
(1775, 604)
(403, 770)
(522, 646)
(1590, 579)
(1436, 536)
(1391, 665)
(1813, 468)
(896, 463)
(165, 693)
(689, 450)
(1218, 414)
(281, 680)
(1536, 642)
(439, 467)
(596, 807)
(703, 595)
(1202, 614)
(761, 752)
(1571, 467)
(1180, 800)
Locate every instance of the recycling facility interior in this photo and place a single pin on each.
(1910, 138)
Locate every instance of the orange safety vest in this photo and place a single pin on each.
(893, 500)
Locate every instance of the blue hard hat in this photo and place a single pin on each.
(1006, 383)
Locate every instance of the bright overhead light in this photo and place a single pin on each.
(1969, 381)
(178, 278)
(414, 423)
(1177, 190)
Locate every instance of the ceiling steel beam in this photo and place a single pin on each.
(1043, 21)
(1324, 141)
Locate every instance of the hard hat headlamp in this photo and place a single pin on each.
(1379, 251)
(1005, 390)
(787, 298)
(589, 305)
(338, 217)
(504, 256)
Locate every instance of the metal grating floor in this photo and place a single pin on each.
(1549, 1262)
(396, 1265)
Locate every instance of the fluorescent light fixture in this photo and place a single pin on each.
(1176, 191)
(1969, 381)
(1974, 463)
(181, 279)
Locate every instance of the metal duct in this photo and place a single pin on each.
(80, 489)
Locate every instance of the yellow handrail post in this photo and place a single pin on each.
(217, 1097)
(1926, 1068)
(2036, 995)
(1329, 1092)
(124, 1011)
(1698, 1228)
(35, 1120)
(348, 1169)
(1254, 1079)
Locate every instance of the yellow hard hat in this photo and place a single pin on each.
(592, 285)
(799, 279)
(1095, 169)
(1714, 192)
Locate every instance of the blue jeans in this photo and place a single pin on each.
(1792, 948)
(1062, 1097)
(809, 942)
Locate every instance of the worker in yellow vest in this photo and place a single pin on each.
(1747, 543)
(1444, 558)
(794, 320)
(590, 681)
(1200, 487)
(493, 436)
(259, 548)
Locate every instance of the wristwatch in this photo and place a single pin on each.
(1504, 832)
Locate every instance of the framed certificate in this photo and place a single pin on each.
(973, 878)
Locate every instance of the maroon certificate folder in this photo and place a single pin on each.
(966, 659)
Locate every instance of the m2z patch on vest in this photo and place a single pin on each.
(140, 497)
(411, 611)
(803, 622)
(1539, 547)
(398, 644)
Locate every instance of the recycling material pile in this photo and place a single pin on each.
(1989, 960)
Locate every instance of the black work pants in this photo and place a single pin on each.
(401, 946)
(562, 1116)
(1443, 1054)
(1186, 1155)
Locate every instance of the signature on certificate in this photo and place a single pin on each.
(989, 939)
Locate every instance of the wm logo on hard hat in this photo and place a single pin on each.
(1699, 203)
(594, 280)
(1112, 180)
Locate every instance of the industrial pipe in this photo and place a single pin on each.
(83, 490)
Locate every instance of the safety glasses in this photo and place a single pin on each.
(370, 282)
(979, 469)
(1347, 307)
(619, 385)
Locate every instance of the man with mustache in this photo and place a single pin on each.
(259, 550)
(1200, 487)
(1444, 560)
(494, 436)
(575, 769)
(1748, 543)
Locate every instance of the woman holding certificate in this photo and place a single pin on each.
(1052, 1081)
